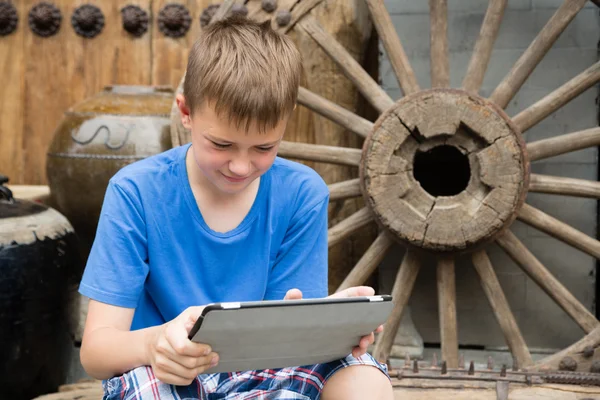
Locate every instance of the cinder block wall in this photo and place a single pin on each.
(542, 322)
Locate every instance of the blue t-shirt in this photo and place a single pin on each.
(154, 252)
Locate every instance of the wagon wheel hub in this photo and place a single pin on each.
(444, 170)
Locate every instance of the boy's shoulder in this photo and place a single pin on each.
(297, 181)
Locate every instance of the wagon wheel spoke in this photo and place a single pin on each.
(525, 65)
(222, 11)
(344, 190)
(551, 362)
(504, 316)
(562, 144)
(335, 113)
(351, 68)
(440, 64)
(348, 226)
(564, 232)
(564, 186)
(558, 98)
(403, 286)
(446, 286)
(393, 47)
(318, 152)
(484, 45)
(368, 262)
(545, 280)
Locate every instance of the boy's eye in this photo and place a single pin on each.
(220, 145)
(267, 148)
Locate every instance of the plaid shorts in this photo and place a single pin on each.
(298, 383)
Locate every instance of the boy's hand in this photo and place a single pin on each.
(175, 359)
(365, 341)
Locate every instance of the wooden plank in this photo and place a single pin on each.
(64, 69)
(446, 285)
(12, 99)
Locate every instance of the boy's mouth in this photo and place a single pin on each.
(234, 180)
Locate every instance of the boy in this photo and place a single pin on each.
(221, 219)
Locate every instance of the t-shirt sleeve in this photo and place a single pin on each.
(117, 265)
(301, 260)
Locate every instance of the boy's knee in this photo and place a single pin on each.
(358, 382)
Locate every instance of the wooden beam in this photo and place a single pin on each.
(438, 43)
(532, 115)
(546, 281)
(322, 153)
(446, 285)
(484, 45)
(344, 190)
(564, 186)
(335, 113)
(525, 65)
(368, 262)
(351, 68)
(393, 47)
(347, 227)
(564, 232)
(495, 295)
(403, 287)
(562, 144)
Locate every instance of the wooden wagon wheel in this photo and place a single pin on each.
(489, 172)
(485, 173)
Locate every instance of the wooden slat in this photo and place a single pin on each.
(344, 190)
(351, 68)
(12, 100)
(403, 287)
(368, 262)
(393, 47)
(495, 295)
(335, 113)
(438, 39)
(552, 226)
(348, 226)
(558, 98)
(562, 144)
(525, 65)
(545, 280)
(446, 286)
(64, 69)
(484, 45)
(564, 186)
(318, 152)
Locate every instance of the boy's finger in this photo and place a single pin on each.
(379, 329)
(293, 294)
(355, 291)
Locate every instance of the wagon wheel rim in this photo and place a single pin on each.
(514, 127)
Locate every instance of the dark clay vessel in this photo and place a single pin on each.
(40, 269)
(96, 138)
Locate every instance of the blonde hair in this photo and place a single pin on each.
(244, 69)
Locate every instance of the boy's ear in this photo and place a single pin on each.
(184, 110)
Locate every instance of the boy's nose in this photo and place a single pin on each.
(240, 167)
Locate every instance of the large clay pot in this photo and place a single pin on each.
(40, 269)
(95, 139)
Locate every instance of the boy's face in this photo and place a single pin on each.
(229, 157)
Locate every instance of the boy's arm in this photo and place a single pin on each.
(109, 348)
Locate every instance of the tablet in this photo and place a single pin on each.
(287, 333)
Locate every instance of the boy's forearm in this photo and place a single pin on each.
(108, 352)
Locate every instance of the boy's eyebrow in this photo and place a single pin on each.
(214, 139)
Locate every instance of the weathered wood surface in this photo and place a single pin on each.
(348, 226)
(562, 144)
(497, 299)
(446, 289)
(536, 51)
(393, 47)
(480, 132)
(402, 289)
(319, 152)
(438, 43)
(558, 98)
(546, 281)
(344, 190)
(564, 186)
(484, 45)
